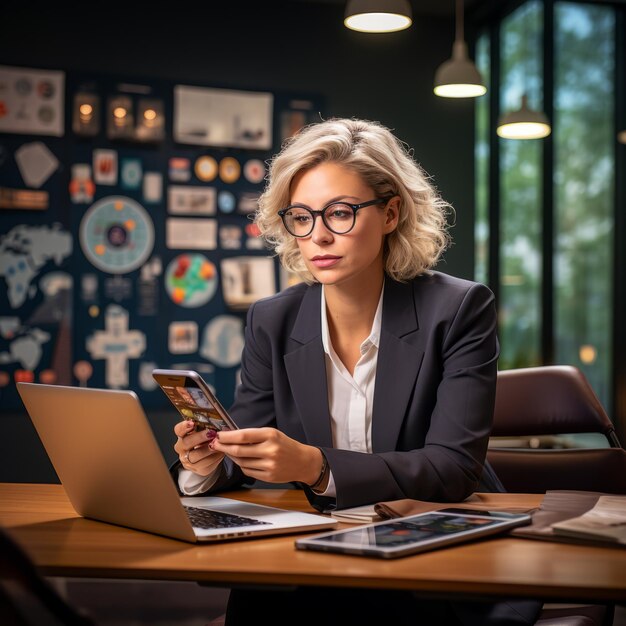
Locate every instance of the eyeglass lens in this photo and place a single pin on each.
(338, 217)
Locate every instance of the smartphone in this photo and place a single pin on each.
(193, 399)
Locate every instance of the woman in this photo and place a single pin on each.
(374, 379)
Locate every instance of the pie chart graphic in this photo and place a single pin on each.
(116, 235)
(191, 280)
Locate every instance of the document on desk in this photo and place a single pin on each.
(558, 506)
(606, 521)
(357, 514)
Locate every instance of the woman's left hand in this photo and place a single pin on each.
(268, 454)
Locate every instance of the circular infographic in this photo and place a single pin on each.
(205, 168)
(116, 235)
(191, 280)
(222, 341)
(230, 170)
(254, 170)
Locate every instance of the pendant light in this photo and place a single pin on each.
(524, 123)
(378, 16)
(458, 77)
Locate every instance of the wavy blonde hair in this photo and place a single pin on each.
(386, 165)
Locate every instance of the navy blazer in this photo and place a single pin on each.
(433, 399)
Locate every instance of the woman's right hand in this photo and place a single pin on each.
(192, 447)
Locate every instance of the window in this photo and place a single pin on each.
(554, 198)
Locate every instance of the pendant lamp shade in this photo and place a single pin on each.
(378, 16)
(459, 77)
(524, 123)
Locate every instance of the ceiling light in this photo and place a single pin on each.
(378, 16)
(458, 77)
(524, 123)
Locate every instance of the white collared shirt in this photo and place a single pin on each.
(350, 401)
(351, 396)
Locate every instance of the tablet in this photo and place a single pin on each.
(414, 533)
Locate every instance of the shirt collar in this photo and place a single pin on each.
(374, 336)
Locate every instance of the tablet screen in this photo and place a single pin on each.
(411, 534)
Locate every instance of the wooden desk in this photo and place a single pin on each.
(41, 518)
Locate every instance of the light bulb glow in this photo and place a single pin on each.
(461, 90)
(119, 112)
(587, 354)
(377, 22)
(523, 130)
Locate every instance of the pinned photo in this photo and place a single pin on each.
(105, 167)
(183, 337)
(185, 200)
(223, 117)
(245, 279)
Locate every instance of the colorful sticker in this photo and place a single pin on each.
(226, 201)
(254, 171)
(230, 170)
(206, 168)
(191, 280)
(82, 186)
(131, 173)
(179, 169)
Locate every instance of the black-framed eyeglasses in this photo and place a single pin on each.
(338, 217)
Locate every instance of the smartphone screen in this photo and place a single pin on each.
(193, 399)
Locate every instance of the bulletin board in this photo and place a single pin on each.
(126, 238)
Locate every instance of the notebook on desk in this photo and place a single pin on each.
(104, 452)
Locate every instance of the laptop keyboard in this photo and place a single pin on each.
(205, 518)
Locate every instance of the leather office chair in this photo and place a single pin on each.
(26, 598)
(554, 400)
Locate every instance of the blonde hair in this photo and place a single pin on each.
(386, 165)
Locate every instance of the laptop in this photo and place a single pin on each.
(106, 456)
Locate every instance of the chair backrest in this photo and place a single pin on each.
(26, 597)
(548, 400)
(553, 400)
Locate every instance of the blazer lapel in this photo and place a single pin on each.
(399, 361)
(306, 370)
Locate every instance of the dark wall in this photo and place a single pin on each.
(282, 46)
